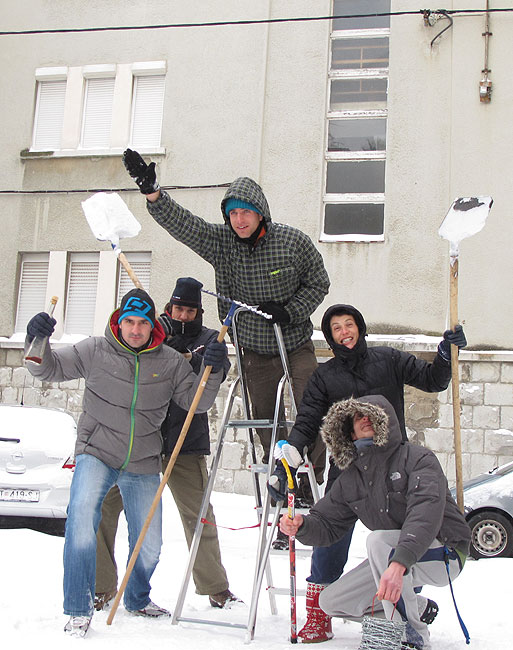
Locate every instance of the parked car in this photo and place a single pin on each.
(36, 467)
(488, 502)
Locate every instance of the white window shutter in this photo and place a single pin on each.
(141, 265)
(147, 111)
(97, 119)
(49, 115)
(32, 289)
(82, 289)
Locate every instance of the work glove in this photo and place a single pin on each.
(279, 314)
(283, 449)
(41, 324)
(215, 355)
(277, 483)
(454, 337)
(167, 323)
(144, 175)
(179, 343)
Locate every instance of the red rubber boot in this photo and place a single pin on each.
(318, 624)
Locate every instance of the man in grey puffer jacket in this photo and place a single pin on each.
(130, 378)
(399, 491)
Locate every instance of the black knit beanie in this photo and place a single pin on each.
(137, 303)
(187, 293)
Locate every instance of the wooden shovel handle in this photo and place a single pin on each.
(456, 408)
(126, 265)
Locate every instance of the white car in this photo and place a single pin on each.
(36, 467)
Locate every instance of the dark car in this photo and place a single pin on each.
(36, 467)
(489, 511)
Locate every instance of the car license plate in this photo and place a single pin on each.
(9, 494)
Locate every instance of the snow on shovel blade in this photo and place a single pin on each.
(465, 218)
(109, 218)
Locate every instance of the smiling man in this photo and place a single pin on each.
(130, 377)
(354, 371)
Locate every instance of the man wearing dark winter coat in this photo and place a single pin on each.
(354, 371)
(399, 491)
(182, 322)
(129, 379)
(258, 262)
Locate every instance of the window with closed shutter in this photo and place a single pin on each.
(82, 289)
(32, 288)
(147, 111)
(49, 115)
(97, 117)
(141, 265)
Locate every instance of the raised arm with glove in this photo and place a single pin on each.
(144, 175)
(454, 337)
(41, 324)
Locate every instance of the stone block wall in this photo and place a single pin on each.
(486, 394)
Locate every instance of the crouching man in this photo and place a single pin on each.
(399, 491)
(130, 377)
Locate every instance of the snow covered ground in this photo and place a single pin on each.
(31, 595)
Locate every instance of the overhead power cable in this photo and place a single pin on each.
(118, 189)
(263, 21)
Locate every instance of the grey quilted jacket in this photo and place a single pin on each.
(126, 395)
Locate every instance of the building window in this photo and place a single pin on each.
(32, 288)
(100, 109)
(354, 195)
(82, 288)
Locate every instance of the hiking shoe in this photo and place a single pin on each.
(77, 626)
(281, 543)
(104, 600)
(430, 612)
(224, 599)
(151, 610)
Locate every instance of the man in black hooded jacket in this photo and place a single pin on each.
(355, 370)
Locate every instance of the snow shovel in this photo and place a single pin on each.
(110, 220)
(170, 465)
(465, 218)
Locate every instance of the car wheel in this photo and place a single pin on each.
(491, 535)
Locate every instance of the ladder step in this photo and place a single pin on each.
(282, 591)
(257, 424)
(306, 552)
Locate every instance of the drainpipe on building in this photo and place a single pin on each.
(485, 85)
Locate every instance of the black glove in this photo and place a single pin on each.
(215, 355)
(144, 175)
(277, 484)
(454, 337)
(167, 323)
(179, 343)
(41, 324)
(279, 314)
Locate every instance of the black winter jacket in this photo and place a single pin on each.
(197, 440)
(362, 371)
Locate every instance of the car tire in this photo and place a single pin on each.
(491, 535)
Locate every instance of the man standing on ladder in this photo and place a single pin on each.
(258, 262)
(354, 371)
(182, 322)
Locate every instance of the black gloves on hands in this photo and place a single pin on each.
(144, 175)
(277, 484)
(167, 323)
(279, 314)
(179, 343)
(454, 337)
(41, 324)
(215, 355)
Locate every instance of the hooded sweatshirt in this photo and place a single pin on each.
(283, 266)
(389, 485)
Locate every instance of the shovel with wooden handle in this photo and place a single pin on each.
(465, 218)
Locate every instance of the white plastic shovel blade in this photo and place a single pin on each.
(109, 218)
(465, 218)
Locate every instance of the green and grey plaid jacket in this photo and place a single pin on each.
(283, 267)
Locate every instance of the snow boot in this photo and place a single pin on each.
(104, 600)
(77, 626)
(318, 624)
(430, 612)
(224, 599)
(151, 610)
(281, 543)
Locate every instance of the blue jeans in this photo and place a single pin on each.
(92, 480)
(328, 562)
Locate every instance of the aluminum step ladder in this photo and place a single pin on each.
(262, 565)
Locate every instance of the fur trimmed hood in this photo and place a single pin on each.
(338, 425)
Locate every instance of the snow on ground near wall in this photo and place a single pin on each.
(31, 595)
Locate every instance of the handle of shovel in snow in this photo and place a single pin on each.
(126, 265)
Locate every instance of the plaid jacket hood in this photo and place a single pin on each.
(246, 189)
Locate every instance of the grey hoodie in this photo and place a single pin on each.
(390, 485)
